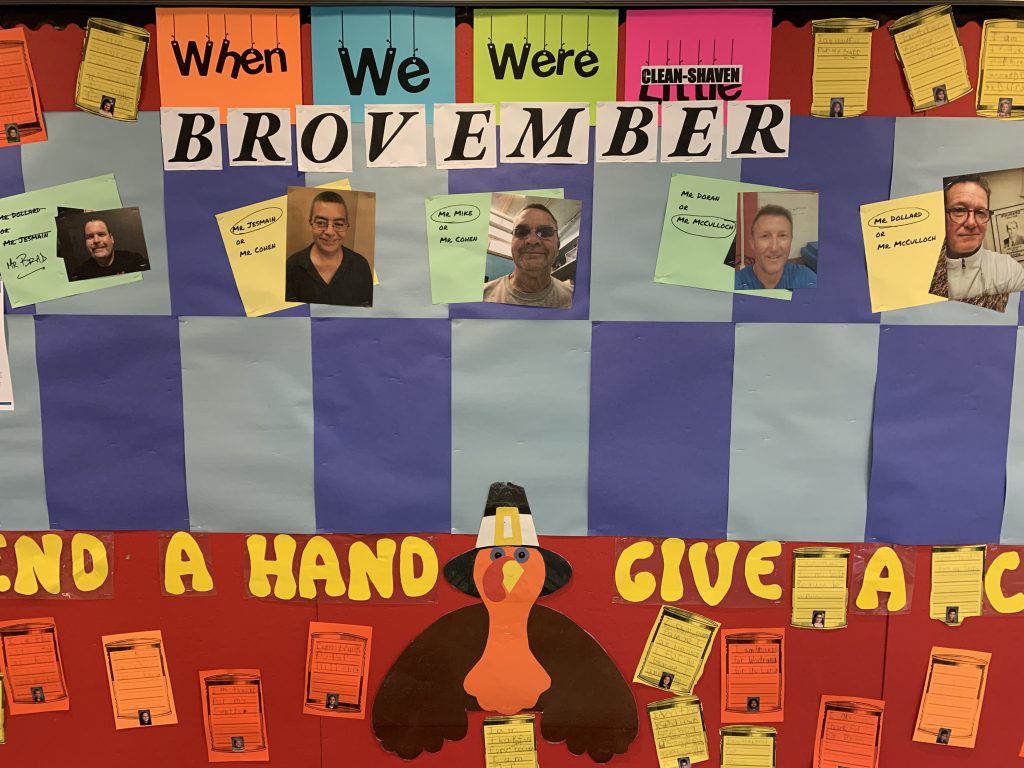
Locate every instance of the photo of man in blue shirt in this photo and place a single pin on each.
(772, 240)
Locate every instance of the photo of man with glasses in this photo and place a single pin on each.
(967, 271)
(534, 247)
(327, 272)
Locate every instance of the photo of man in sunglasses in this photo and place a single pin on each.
(534, 245)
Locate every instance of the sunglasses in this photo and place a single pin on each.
(544, 231)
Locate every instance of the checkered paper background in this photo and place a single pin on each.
(645, 410)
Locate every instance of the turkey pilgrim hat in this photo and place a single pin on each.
(507, 522)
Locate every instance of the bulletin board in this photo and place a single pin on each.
(645, 412)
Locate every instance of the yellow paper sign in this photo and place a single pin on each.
(254, 238)
(680, 736)
(110, 75)
(1000, 89)
(140, 683)
(820, 593)
(842, 66)
(953, 693)
(676, 651)
(933, 61)
(747, 746)
(510, 742)
(958, 578)
(902, 241)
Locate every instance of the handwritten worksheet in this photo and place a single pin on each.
(510, 742)
(139, 680)
(753, 683)
(233, 718)
(954, 690)
(958, 574)
(849, 733)
(1000, 87)
(933, 60)
(337, 667)
(110, 76)
(676, 650)
(842, 66)
(820, 593)
(680, 736)
(31, 666)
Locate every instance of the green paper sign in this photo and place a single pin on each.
(699, 228)
(550, 55)
(457, 231)
(29, 265)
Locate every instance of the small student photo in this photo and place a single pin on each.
(12, 133)
(683, 762)
(38, 696)
(753, 704)
(943, 737)
(818, 619)
(952, 614)
(332, 701)
(330, 241)
(532, 251)
(666, 680)
(835, 106)
(101, 243)
(1005, 107)
(145, 718)
(939, 95)
(981, 259)
(238, 744)
(776, 242)
(107, 105)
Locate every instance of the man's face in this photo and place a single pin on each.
(773, 237)
(965, 237)
(534, 252)
(328, 225)
(98, 240)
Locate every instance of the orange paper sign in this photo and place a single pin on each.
(140, 684)
(20, 111)
(753, 684)
(233, 715)
(849, 733)
(229, 57)
(337, 663)
(954, 690)
(31, 666)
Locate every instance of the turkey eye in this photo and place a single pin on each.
(497, 553)
(522, 555)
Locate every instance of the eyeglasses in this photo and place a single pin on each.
(319, 225)
(959, 214)
(544, 231)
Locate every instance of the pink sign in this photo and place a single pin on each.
(698, 55)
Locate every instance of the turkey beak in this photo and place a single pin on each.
(511, 572)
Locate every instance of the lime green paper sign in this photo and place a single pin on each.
(699, 227)
(545, 55)
(29, 265)
(457, 233)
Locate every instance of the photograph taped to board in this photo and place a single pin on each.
(776, 240)
(101, 243)
(532, 250)
(330, 242)
(981, 260)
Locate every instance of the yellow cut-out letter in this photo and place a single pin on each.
(639, 588)
(1003, 562)
(725, 554)
(88, 580)
(671, 579)
(184, 558)
(414, 548)
(260, 569)
(757, 565)
(5, 582)
(883, 573)
(38, 566)
(319, 562)
(364, 566)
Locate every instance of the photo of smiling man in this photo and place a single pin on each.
(102, 243)
(767, 227)
(322, 268)
(531, 251)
